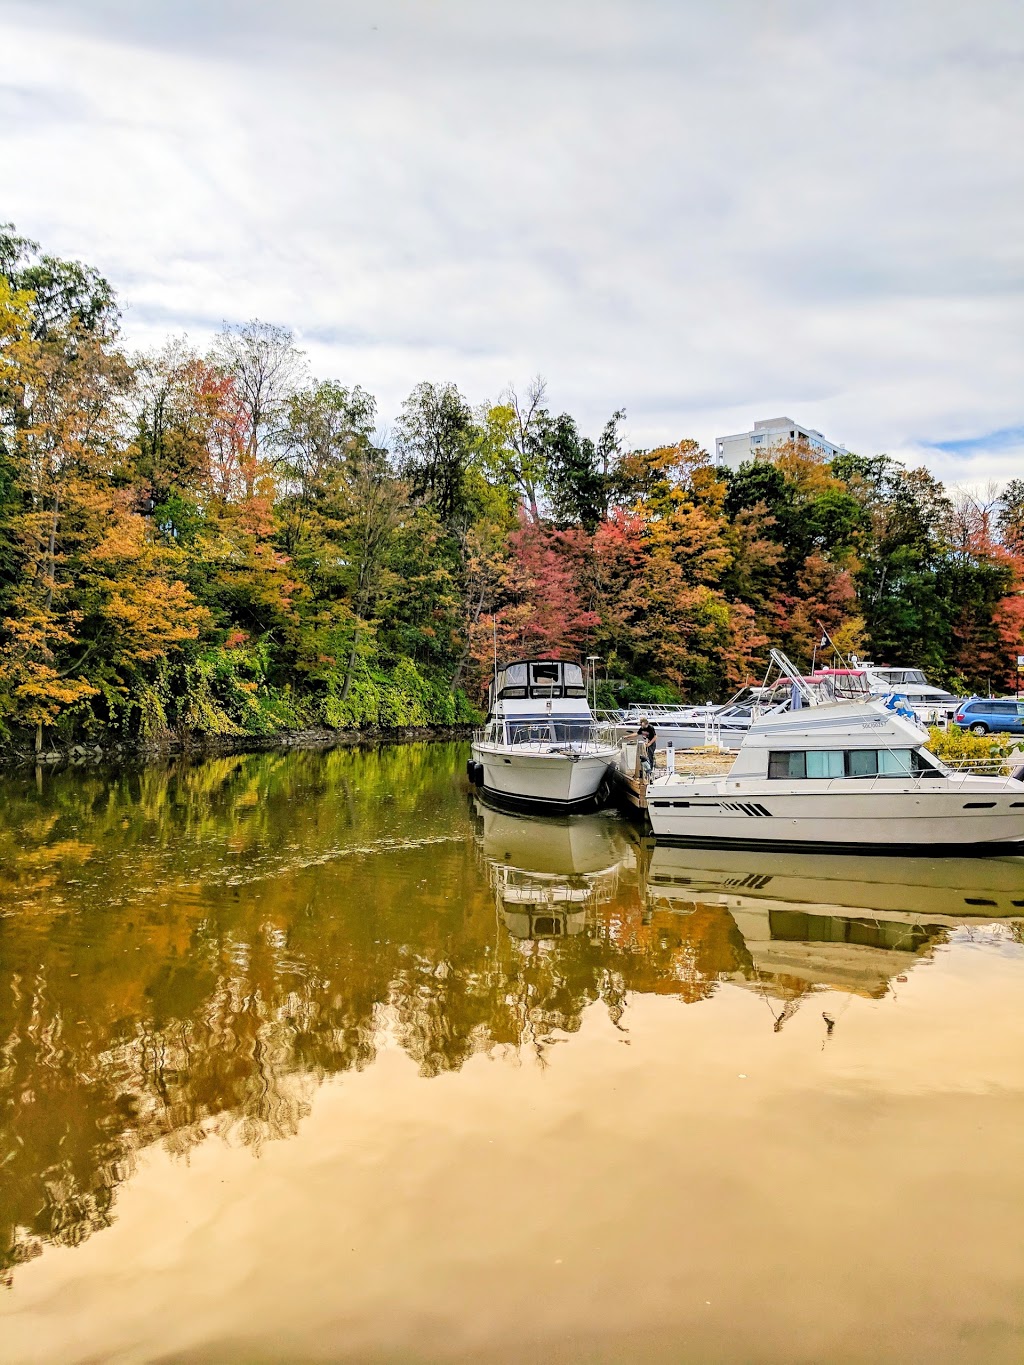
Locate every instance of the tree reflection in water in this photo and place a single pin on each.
(191, 950)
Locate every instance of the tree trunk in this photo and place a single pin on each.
(52, 550)
(457, 675)
(351, 667)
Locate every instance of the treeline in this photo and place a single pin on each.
(220, 543)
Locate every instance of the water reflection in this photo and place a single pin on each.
(548, 874)
(802, 916)
(190, 951)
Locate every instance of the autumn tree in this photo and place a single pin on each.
(437, 442)
(92, 598)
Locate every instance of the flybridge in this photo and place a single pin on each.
(533, 680)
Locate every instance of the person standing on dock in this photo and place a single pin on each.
(648, 742)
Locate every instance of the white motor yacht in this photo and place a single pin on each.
(840, 775)
(540, 746)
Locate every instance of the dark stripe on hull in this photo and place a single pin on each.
(1011, 848)
(530, 803)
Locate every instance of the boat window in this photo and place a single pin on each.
(540, 673)
(514, 692)
(825, 763)
(861, 762)
(546, 690)
(914, 675)
(573, 675)
(787, 764)
(568, 728)
(516, 675)
(575, 691)
(527, 731)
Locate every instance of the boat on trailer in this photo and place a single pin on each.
(540, 746)
(839, 775)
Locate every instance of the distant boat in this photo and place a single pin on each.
(691, 727)
(930, 704)
(840, 775)
(540, 746)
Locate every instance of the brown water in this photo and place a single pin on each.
(313, 1057)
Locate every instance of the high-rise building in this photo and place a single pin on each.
(732, 451)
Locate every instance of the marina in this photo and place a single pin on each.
(823, 760)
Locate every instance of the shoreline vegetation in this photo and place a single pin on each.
(197, 746)
(219, 550)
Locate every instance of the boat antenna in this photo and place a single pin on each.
(826, 638)
(494, 639)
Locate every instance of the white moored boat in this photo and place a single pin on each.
(840, 775)
(931, 704)
(540, 746)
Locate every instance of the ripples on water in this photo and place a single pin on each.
(189, 953)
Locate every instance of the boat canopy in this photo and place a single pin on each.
(543, 679)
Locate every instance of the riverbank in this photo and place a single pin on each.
(194, 745)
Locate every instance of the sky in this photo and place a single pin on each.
(704, 211)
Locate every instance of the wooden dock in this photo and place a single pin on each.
(703, 762)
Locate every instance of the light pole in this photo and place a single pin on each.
(592, 662)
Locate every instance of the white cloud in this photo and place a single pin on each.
(707, 213)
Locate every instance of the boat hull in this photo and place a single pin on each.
(539, 778)
(967, 820)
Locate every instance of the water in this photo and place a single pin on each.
(314, 1057)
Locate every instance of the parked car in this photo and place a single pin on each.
(985, 715)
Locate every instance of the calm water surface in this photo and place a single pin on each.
(314, 1057)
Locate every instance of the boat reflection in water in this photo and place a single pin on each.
(550, 875)
(849, 923)
(685, 921)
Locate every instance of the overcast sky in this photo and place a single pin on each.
(705, 211)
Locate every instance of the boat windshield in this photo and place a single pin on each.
(902, 676)
(550, 729)
(844, 684)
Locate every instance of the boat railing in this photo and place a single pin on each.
(580, 739)
(990, 766)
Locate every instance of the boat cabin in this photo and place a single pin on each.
(839, 740)
(539, 698)
(537, 680)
